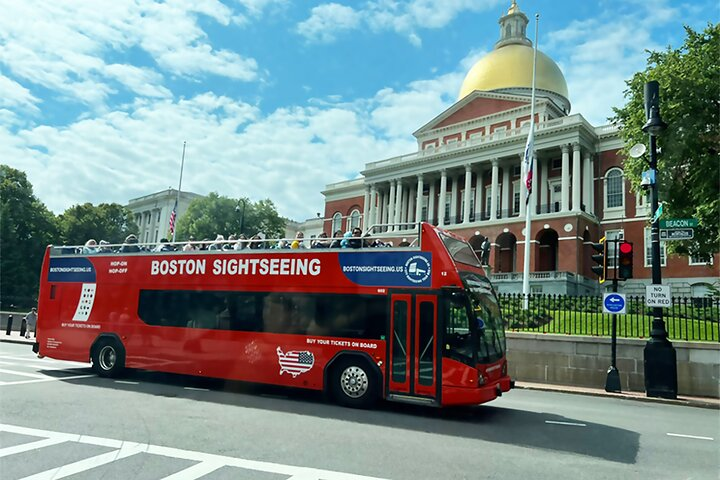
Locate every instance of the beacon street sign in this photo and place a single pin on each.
(679, 223)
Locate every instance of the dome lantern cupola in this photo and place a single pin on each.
(508, 67)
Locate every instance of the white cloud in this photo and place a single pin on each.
(329, 20)
(16, 96)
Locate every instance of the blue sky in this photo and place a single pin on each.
(275, 98)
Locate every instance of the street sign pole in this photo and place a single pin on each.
(612, 382)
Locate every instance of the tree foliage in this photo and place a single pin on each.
(107, 221)
(26, 228)
(209, 216)
(688, 165)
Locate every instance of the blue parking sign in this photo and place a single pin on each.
(614, 303)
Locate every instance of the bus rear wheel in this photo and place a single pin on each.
(108, 358)
(354, 383)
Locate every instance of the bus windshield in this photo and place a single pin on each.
(488, 319)
(460, 251)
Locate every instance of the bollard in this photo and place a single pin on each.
(23, 326)
(9, 325)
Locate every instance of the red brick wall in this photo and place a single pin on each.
(478, 108)
(344, 206)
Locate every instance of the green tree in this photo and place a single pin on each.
(107, 221)
(209, 216)
(26, 228)
(688, 183)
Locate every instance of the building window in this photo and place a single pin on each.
(354, 219)
(612, 235)
(448, 199)
(516, 170)
(516, 197)
(701, 260)
(336, 222)
(614, 189)
(499, 132)
(158, 216)
(648, 250)
(472, 202)
(425, 202)
(556, 164)
(149, 216)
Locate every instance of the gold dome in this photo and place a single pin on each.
(511, 66)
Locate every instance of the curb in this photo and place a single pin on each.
(709, 403)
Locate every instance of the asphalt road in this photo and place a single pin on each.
(58, 420)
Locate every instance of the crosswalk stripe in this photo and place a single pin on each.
(22, 374)
(195, 471)
(86, 464)
(26, 447)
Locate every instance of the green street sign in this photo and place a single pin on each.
(679, 223)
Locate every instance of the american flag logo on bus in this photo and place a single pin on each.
(295, 362)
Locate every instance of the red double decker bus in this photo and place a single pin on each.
(418, 324)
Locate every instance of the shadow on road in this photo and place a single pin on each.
(490, 422)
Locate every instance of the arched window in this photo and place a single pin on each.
(614, 189)
(354, 219)
(336, 222)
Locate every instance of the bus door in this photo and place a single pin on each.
(413, 359)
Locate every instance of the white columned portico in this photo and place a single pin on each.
(521, 186)
(544, 187)
(431, 202)
(454, 199)
(504, 210)
(576, 178)
(366, 207)
(494, 190)
(419, 199)
(565, 180)
(441, 200)
(478, 195)
(468, 192)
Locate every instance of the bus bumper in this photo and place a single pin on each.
(477, 395)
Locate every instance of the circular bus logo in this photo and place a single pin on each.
(417, 269)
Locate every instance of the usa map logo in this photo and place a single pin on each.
(295, 362)
(417, 269)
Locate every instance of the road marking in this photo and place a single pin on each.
(44, 361)
(22, 374)
(208, 462)
(45, 379)
(690, 436)
(197, 389)
(25, 447)
(571, 424)
(127, 382)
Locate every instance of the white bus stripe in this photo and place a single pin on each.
(195, 471)
(25, 447)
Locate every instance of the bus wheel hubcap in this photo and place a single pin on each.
(354, 382)
(107, 357)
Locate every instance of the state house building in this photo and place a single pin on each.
(466, 177)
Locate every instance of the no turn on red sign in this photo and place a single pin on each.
(658, 296)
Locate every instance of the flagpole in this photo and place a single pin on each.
(529, 204)
(177, 199)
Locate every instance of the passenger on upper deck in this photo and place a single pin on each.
(242, 242)
(337, 239)
(130, 245)
(164, 246)
(90, 247)
(232, 242)
(218, 243)
(321, 241)
(104, 247)
(298, 242)
(189, 247)
(256, 242)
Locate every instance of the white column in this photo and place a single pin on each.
(544, 187)
(386, 207)
(565, 181)
(453, 199)
(504, 191)
(398, 203)
(522, 187)
(591, 183)
(441, 200)
(468, 191)
(494, 190)
(576, 178)
(419, 199)
(380, 206)
(391, 205)
(373, 205)
(478, 195)
(431, 202)
(366, 208)
(403, 207)
(411, 205)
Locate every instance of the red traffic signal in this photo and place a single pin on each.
(625, 260)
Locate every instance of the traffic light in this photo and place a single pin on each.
(625, 260)
(601, 259)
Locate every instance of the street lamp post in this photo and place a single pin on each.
(660, 356)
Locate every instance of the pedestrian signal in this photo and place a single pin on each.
(601, 259)
(625, 260)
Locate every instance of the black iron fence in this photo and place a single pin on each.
(692, 319)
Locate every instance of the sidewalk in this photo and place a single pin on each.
(703, 402)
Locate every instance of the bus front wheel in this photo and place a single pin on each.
(354, 383)
(108, 358)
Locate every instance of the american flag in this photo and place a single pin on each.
(528, 162)
(173, 214)
(295, 362)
